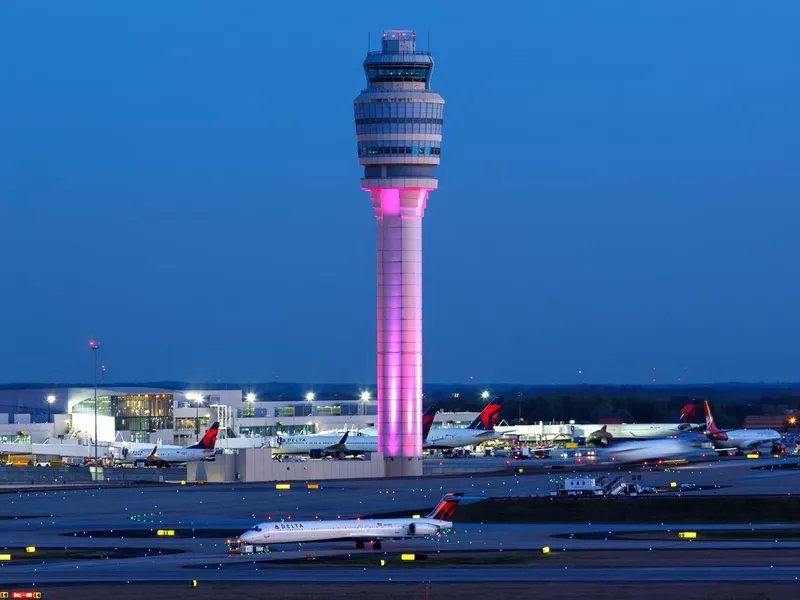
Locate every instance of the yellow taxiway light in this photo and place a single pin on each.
(520, 470)
(194, 582)
(545, 549)
(5, 557)
(282, 486)
(183, 482)
(313, 486)
(383, 563)
(167, 532)
(416, 517)
(673, 484)
(30, 549)
(753, 455)
(687, 535)
(408, 557)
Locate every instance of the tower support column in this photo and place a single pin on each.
(399, 312)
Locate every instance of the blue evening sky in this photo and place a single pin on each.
(618, 191)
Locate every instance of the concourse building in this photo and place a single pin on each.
(179, 416)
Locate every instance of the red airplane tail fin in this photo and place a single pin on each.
(446, 507)
(209, 439)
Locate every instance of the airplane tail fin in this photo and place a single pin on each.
(489, 415)
(153, 453)
(427, 421)
(446, 507)
(710, 425)
(209, 439)
(343, 441)
(688, 413)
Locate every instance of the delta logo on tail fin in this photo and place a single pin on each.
(209, 439)
(446, 507)
(713, 432)
(489, 415)
(427, 421)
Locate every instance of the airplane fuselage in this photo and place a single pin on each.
(305, 444)
(344, 530)
(743, 439)
(647, 450)
(447, 438)
(168, 455)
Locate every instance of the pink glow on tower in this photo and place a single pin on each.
(399, 218)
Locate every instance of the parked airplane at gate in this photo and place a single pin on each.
(646, 431)
(480, 430)
(360, 531)
(202, 450)
(741, 440)
(340, 446)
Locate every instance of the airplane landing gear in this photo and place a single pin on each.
(376, 545)
(360, 545)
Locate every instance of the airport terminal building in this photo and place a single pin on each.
(145, 414)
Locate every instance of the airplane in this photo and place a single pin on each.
(645, 451)
(740, 440)
(333, 445)
(480, 430)
(646, 431)
(360, 531)
(202, 450)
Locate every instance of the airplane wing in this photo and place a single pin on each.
(341, 444)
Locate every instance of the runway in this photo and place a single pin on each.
(50, 519)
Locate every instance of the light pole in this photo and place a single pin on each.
(198, 400)
(485, 395)
(251, 398)
(50, 400)
(95, 349)
(310, 399)
(365, 396)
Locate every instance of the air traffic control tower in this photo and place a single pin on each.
(399, 134)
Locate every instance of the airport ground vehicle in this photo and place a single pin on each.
(596, 486)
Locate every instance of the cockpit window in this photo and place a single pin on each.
(256, 528)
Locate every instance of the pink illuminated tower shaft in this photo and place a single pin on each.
(398, 120)
(399, 215)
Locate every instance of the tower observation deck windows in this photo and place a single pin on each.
(395, 151)
(388, 120)
(397, 73)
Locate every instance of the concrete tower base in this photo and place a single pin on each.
(403, 466)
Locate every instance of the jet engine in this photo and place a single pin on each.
(422, 529)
